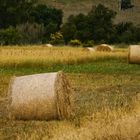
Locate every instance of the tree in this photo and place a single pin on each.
(68, 29)
(126, 4)
(127, 33)
(14, 12)
(51, 18)
(82, 27)
(101, 23)
(31, 32)
(97, 25)
(32, 16)
(51, 28)
(42, 14)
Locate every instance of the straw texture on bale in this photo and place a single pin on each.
(134, 54)
(104, 47)
(91, 49)
(49, 45)
(40, 97)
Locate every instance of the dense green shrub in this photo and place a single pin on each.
(57, 38)
(89, 43)
(31, 32)
(75, 42)
(10, 36)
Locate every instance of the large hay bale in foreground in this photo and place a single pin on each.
(134, 54)
(104, 47)
(40, 97)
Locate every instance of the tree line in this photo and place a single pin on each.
(27, 22)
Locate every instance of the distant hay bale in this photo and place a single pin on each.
(88, 49)
(104, 47)
(48, 45)
(134, 54)
(91, 49)
(40, 97)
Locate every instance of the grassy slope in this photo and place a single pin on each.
(83, 6)
(106, 93)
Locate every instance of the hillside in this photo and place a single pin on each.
(83, 6)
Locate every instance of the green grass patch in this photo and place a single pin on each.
(110, 67)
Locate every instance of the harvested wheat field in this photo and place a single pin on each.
(106, 94)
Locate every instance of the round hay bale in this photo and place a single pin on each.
(40, 97)
(48, 45)
(104, 47)
(134, 54)
(91, 49)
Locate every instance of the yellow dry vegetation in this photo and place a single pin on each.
(107, 105)
(37, 55)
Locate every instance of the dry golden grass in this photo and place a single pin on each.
(95, 118)
(106, 104)
(40, 56)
